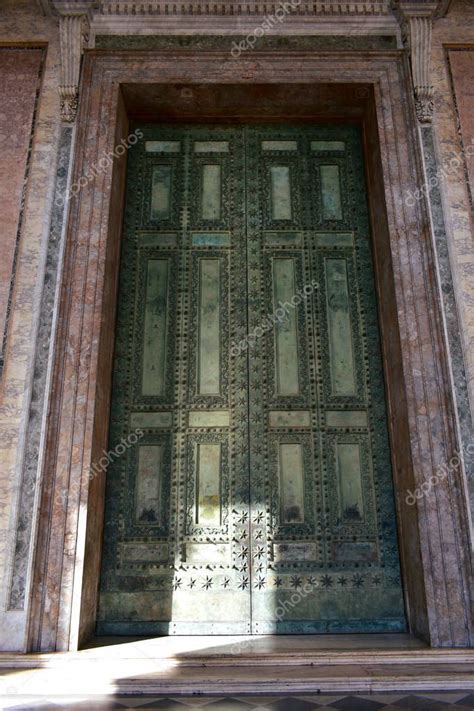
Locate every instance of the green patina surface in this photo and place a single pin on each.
(247, 351)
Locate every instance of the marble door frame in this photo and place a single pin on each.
(433, 533)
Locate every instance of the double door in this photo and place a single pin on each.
(250, 487)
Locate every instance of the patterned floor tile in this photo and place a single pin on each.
(260, 700)
(361, 702)
(449, 697)
(354, 703)
(323, 699)
(291, 704)
(52, 705)
(98, 705)
(195, 702)
(133, 702)
(422, 703)
(162, 705)
(229, 704)
(384, 699)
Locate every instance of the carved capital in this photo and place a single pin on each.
(68, 103)
(74, 23)
(424, 103)
(420, 28)
(416, 18)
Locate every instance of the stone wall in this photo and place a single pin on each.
(20, 82)
(452, 210)
(21, 405)
(29, 349)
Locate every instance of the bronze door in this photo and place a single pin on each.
(254, 492)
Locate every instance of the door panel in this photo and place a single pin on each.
(177, 499)
(321, 493)
(256, 495)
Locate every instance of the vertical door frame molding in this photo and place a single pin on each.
(434, 532)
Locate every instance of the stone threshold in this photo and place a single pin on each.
(244, 650)
(145, 677)
(243, 665)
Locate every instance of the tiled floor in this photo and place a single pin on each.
(379, 702)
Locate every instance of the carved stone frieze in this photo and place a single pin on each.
(141, 8)
(243, 7)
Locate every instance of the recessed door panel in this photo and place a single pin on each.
(155, 332)
(249, 487)
(341, 356)
(209, 327)
(286, 333)
(208, 485)
(161, 192)
(148, 491)
(291, 479)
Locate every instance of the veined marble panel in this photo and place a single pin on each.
(211, 192)
(160, 205)
(281, 192)
(341, 363)
(208, 485)
(209, 327)
(155, 327)
(148, 484)
(348, 466)
(292, 493)
(331, 192)
(162, 146)
(289, 418)
(286, 331)
(151, 420)
(209, 418)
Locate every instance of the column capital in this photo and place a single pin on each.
(74, 22)
(416, 20)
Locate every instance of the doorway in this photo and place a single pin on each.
(249, 488)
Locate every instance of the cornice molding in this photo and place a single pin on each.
(244, 8)
(158, 17)
(75, 7)
(233, 8)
